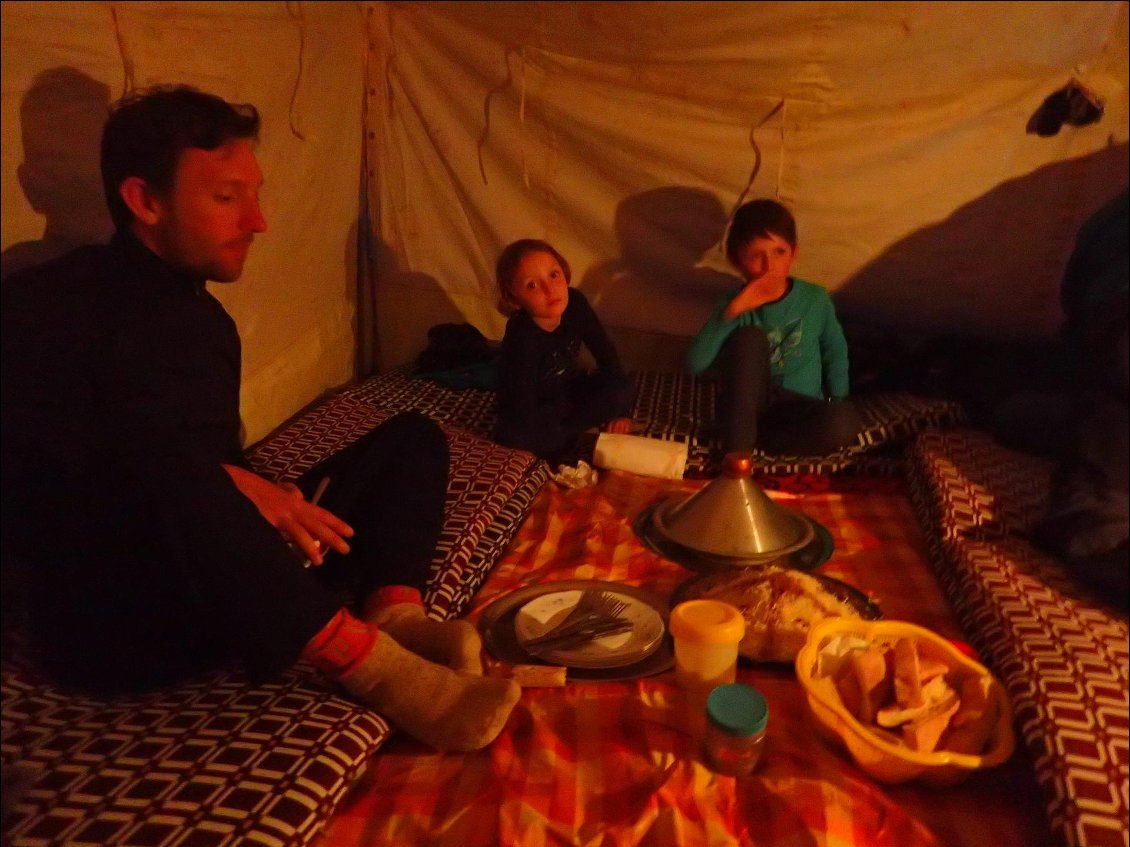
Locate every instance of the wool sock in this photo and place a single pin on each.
(442, 708)
(340, 645)
(399, 611)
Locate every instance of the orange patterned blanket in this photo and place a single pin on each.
(612, 763)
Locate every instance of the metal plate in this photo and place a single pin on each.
(496, 626)
(538, 616)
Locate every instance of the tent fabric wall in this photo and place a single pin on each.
(301, 64)
(626, 133)
(623, 132)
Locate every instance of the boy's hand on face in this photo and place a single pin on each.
(746, 300)
(310, 527)
(756, 293)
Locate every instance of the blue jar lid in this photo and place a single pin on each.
(738, 709)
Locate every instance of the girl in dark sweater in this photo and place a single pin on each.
(546, 399)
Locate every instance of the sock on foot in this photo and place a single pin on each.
(399, 611)
(442, 708)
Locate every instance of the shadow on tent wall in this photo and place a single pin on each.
(992, 268)
(61, 118)
(405, 305)
(654, 295)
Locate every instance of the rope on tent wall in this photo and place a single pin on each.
(498, 89)
(781, 158)
(129, 82)
(522, 120)
(295, 11)
(392, 55)
(757, 156)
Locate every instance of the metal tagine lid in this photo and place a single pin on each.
(732, 517)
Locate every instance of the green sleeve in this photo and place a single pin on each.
(704, 347)
(834, 353)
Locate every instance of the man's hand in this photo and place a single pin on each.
(310, 528)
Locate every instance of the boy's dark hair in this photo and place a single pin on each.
(759, 219)
(149, 129)
(507, 265)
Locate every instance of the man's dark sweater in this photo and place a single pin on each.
(120, 405)
(109, 353)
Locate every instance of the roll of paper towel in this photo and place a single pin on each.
(639, 455)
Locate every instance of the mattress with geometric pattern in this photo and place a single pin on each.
(681, 407)
(1060, 649)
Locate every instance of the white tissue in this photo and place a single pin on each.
(582, 476)
(639, 455)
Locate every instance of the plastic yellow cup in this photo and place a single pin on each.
(706, 634)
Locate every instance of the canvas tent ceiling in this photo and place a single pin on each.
(623, 132)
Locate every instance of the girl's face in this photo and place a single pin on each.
(540, 288)
(766, 257)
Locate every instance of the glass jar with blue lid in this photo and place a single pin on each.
(736, 719)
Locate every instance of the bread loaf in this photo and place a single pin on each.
(779, 605)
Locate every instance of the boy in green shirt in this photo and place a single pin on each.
(780, 350)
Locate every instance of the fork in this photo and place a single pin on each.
(606, 605)
(594, 607)
(591, 602)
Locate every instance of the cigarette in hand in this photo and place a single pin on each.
(318, 492)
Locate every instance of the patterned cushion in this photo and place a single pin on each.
(1060, 650)
(680, 407)
(218, 760)
(515, 477)
(489, 489)
(470, 409)
(215, 761)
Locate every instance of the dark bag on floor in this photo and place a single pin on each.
(458, 356)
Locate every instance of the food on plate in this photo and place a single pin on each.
(897, 689)
(779, 605)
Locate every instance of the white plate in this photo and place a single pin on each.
(543, 613)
